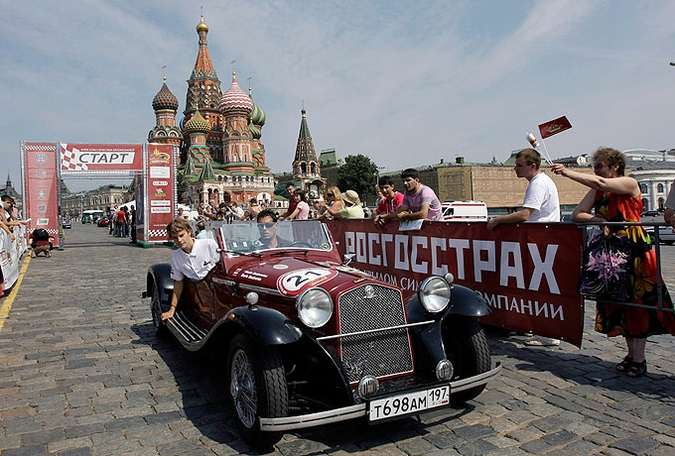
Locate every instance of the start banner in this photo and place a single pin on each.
(104, 158)
(527, 273)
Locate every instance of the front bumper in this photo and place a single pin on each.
(358, 410)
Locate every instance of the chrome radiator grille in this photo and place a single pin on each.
(382, 353)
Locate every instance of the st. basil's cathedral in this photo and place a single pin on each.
(221, 155)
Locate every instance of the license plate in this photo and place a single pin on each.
(407, 403)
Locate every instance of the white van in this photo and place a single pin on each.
(464, 211)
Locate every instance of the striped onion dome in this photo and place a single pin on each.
(257, 115)
(235, 99)
(197, 124)
(165, 99)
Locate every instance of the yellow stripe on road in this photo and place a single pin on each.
(9, 300)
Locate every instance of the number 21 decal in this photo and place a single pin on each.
(293, 282)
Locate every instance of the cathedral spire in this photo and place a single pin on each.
(306, 162)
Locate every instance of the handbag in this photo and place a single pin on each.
(606, 268)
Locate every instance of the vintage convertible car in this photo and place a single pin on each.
(307, 340)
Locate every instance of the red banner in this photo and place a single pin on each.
(554, 127)
(105, 158)
(41, 198)
(527, 273)
(160, 185)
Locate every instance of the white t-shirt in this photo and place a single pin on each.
(542, 196)
(198, 263)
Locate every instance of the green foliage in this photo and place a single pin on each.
(359, 173)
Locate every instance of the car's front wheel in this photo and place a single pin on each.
(257, 384)
(467, 348)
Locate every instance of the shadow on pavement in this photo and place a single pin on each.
(201, 383)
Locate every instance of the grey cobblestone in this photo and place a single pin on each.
(83, 374)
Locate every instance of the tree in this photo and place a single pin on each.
(360, 174)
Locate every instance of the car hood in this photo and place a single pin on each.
(291, 276)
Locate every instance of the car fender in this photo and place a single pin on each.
(160, 274)
(467, 302)
(268, 326)
(464, 301)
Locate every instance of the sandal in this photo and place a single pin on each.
(625, 365)
(637, 369)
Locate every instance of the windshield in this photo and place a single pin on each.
(247, 237)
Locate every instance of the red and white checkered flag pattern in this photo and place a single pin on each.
(70, 160)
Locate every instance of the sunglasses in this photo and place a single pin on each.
(330, 194)
(267, 225)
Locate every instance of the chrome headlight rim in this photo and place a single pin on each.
(313, 315)
(434, 294)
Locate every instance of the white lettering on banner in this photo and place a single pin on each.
(437, 269)
(511, 249)
(375, 259)
(459, 245)
(489, 264)
(422, 267)
(401, 252)
(160, 183)
(106, 157)
(524, 306)
(361, 251)
(507, 259)
(389, 278)
(543, 268)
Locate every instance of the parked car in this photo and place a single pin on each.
(66, 224)
(651, 214)
(307, 340)
(666, 234)
(103, 221)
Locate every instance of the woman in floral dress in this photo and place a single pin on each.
(617, 198)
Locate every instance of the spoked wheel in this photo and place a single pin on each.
(467, 349)
(156, 310)
(257, 384)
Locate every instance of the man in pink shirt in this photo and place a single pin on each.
(419, 201)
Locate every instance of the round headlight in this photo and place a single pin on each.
(434, 294)
(314, 307)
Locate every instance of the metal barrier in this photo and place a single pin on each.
(656, 244)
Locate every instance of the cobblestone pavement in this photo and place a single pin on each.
(82, 373)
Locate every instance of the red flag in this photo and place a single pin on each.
(554, 127)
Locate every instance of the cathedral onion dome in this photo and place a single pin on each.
(254, 130)
(235, 99)
(197, 124)
(257, 115)
(165, 99)
(202, 27)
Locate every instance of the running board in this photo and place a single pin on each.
(189, 334)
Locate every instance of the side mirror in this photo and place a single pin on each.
(348, 258)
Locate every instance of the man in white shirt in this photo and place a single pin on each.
(541, 204)
(193, 260)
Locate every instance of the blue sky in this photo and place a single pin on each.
(407, 83)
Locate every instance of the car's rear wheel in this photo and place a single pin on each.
(257, 385)
(467, 348)
(156, 310)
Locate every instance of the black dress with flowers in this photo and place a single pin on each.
(628, 321)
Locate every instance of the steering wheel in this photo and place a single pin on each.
(300, 244)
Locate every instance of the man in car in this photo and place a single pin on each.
(268, 225)
(193, 260)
